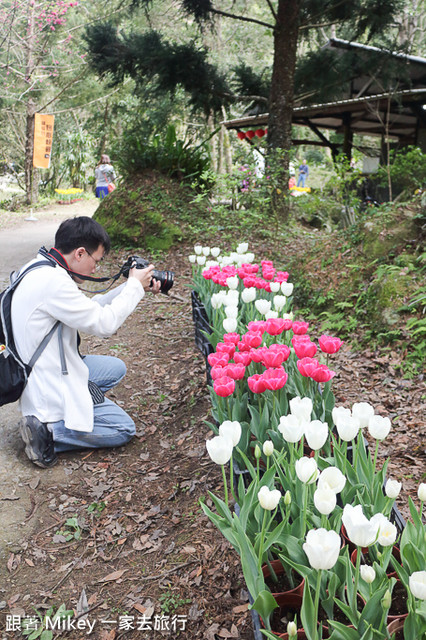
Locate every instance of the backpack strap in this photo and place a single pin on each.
(43, 344)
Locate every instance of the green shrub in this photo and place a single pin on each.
(407, 169)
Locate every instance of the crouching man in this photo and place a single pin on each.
(63, 403)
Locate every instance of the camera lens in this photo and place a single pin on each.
(165, 278)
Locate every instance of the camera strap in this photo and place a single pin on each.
(58, 258)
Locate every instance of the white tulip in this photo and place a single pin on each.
(393, 488)
(316, 434)
(216, 301)
(347, 427)
(234, 256)
(271, 314)
(288, 316)
(227, 260)
(325, 500)
(249, 294)
(263, 306)
(231, 311)
(362, 411)
(192, 259)
(198, 249)
(220, 449)
(379, 427)
(268, 499)
(367, 573)
(292, 630)
(275, 287)
(291, 428)
(201, 260)
(268, 448)
(307, 470)
(322, 548)
(230, 325)
(387, 531)
(249, 258)
(232, 282)
(302, 408)
(417, 583)
(206, 251)
(361, 531)
(332, 478)
(421, 492)
(211, 263)
(215, 251)
(231, 429)
(231, 296)
(219, 259)
(338, 412)
(287, 288)
(279, 302)
(242, 247)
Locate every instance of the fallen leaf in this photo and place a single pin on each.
(29, 562)
(115, 575)
(34, 483)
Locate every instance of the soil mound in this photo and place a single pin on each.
(148, 210)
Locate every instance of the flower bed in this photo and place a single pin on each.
(303, 467)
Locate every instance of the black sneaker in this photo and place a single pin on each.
(39, 445)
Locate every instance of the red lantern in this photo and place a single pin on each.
(250, 134)
(241, 135)
(260, 133)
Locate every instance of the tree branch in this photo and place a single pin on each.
(242, 18)
(269, 3)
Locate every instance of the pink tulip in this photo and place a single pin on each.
(275, 326)
(329, 344)
(268, 274)
(252, 338)
(266, 263)
(275, 379)
(257, 325)
(272, 358)
(256, 383)
(300, 327)
(322, 374)
(281, 276)
(242, 346)
(256, 355)
(217, 371)
(283, 348)
(224, 386)
(304, 348)
(243, 358)
(307, 365)
(224, 347)
(231, 338)
(218, 358)
(249, 281)
(235, 371)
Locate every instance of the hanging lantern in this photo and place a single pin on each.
(241, 135)
(260, 133)
(250, 134)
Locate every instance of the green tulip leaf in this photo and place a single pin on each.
(308, 615)
(342, 632)
(264, 604)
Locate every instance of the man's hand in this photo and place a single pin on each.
(145, 276)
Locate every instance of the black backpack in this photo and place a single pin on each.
(14, 372)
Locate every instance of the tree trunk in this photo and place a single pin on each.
(282, 94)
(29, 152)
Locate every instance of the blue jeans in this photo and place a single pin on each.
(112, 426)
(101, 192)
(301, 180)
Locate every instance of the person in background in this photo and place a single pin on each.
(104, 175)
(303, 174)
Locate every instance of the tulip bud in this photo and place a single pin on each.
(379, 427)
(257, 452)
(387, 600)
(417, 584)
(192, 259)
(268, 498)
(198, 249)
(248, 294)
(275, 287)
(232, 282)
(201, 260)
(287, 498)
(268, 448)
(242, 247)
(392, 488)
(230, 325)
(421, 492)
(206, 251)
(367, 573)
(287, 288)
(215, 251)
(292, 630)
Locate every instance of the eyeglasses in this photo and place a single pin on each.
(97, 262)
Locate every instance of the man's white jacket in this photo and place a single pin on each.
(44, 296)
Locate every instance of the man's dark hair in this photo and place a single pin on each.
(81, 232)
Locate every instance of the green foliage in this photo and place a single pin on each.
(71, 530)
(139, 150)
(170, 602)
(35, 626)
(407, 169)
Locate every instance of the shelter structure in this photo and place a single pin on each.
(375, 102)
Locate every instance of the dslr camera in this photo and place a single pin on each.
(164, 277)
